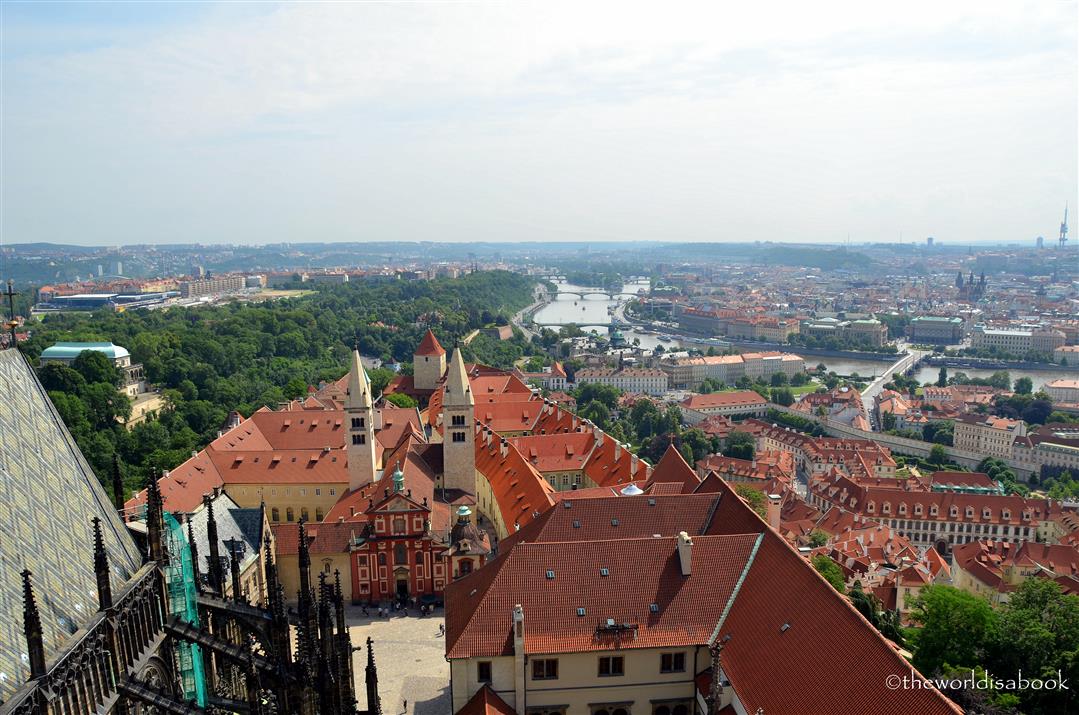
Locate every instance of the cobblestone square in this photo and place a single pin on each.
(411, 659)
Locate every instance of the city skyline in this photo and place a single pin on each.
(267, 123)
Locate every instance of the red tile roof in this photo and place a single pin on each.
(748, 586)
(672, 468)
(641, 572)
(430, 345)
(556, 452)
(723, 399)
(519, 490)
(486, 702)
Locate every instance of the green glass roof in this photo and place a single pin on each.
(70, 351)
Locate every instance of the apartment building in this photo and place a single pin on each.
(1017, 341)
(1063, 390)
(993, 569)
(696, 408)
(210, 286)
(988, 435)
(666, 601)
(941, 519)
(869, 330)
(648, 381)
(936, 329)
(689, 373)
(762, 327)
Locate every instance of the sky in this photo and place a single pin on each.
(248, 122)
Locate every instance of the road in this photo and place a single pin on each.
(869, 393)
(518, 318)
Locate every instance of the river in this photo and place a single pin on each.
(593, 309)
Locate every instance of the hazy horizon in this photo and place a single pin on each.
(263, 123)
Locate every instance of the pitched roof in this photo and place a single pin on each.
(745, 585)
(49, 495)
(723, 399)
(672, 467)
(430, 345)
(640, 572)
(486, 702)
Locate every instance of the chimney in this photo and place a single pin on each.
(617, 450)
(773, 511)
(504, 447)
(519, 663)
(633, 462)
(685, 552)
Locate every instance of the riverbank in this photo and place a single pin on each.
(988, 364)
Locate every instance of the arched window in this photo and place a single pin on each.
(400, 555)
(419, 558)
(399, 525)
(382, 559)
(303, 514)
(465, 567)
(275, 514)
(289, 516)
(662, 710)
(680, 710)
(318, 515)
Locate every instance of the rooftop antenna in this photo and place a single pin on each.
(1064, 228)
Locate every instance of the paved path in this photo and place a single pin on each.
(411, 660)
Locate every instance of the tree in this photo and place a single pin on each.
(818, 537)
(779, 379)
(95, 366)
(755, 498)
(58, 377)
(830, 571)
(942, 377)
(401, 400)
(956, 628)
(1038, 632)
(799, 379)
(783, 396)
(1024, 386)
(938, 455)
(887, 421)
(740, 445)
(597, 412)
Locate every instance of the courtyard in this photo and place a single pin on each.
(411, 658)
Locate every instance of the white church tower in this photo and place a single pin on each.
(360, 414)
(458, 428)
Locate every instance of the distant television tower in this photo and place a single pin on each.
(1064, 228)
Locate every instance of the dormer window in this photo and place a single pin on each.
(986, 513)
(918, 510)
(886, 508)
(970, 512)
(1006, 514)
(871, 507)
(903, 509)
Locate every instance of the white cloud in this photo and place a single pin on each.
(461, 120)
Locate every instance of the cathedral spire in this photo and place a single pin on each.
(458, 390)
(233, 545)
(101, 569)
(359, 385)
(31, 621)
(117, 485)
(374, 703)
(194, 549)
(155, 519)
(217, 573)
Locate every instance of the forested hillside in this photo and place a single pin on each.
(240, 356)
